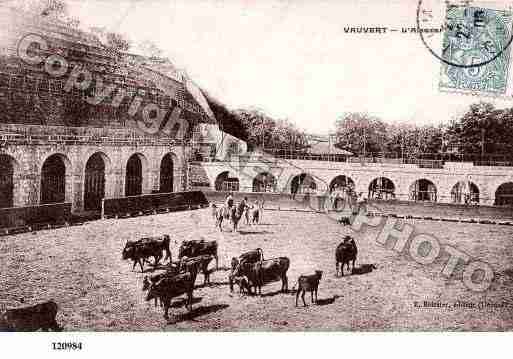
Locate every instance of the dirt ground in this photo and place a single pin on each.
(82, 270)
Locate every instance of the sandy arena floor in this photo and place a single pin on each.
(81, 269)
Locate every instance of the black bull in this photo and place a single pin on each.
(170, 287)
(263, 272)
(141, 250)
(196, 248)
(29, 319)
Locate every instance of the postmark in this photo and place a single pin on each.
(474, 49)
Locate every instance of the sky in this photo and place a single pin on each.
(292, 58)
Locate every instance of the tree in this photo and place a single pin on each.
(264, 131)
(483, 129)
(358, 131)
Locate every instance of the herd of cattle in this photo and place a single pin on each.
(250, 271)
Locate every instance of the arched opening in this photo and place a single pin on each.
(423, 190)
(342, 192)
(226, 183)
(53, 180)
(303, 183)
(382, 188)
(133, 182)
(504, 195)
(264, 182)
(342, 184)
(465, 192)
(94, 182)
(6, 181)
(166, 174)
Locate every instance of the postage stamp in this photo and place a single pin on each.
(476, 50)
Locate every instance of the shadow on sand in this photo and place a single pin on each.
(253, 232)
(327, 301)
(363, 269)
(183, 301)
(211, 284)
(272, 294)
(197, 312)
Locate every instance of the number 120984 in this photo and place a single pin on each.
(67, 346)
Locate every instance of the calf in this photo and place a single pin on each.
(195, 248)
(141, 250)
(168, 288)
(242, 282)
(262, 272)
(345, 253)
(308, 283)
(29, 319)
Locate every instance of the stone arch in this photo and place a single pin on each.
(504, 194)
(166, 172)
(382, 188)
(96, 169)
(303, 183)
(56, 174)
(341, 183)
(465, 192)
(8, 172)
(224, 182)
(264, 182)
(423, 190)
(342, 191)
(135, 174)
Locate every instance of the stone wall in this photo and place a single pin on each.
(487, 179)
(28, 160)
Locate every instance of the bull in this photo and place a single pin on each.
(29, 319)
(196, 248)
(168, 288)
(260, 273)
(346, 252)
(139, 251)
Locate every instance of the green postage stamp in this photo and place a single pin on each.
(476, 50)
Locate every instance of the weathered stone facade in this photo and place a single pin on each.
(28, 160)
(487, 179)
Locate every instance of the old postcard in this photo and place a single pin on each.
(240, 166)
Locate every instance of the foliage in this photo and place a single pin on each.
(483, 122)
(264, 131)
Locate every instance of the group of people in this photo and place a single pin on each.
(250, 211)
